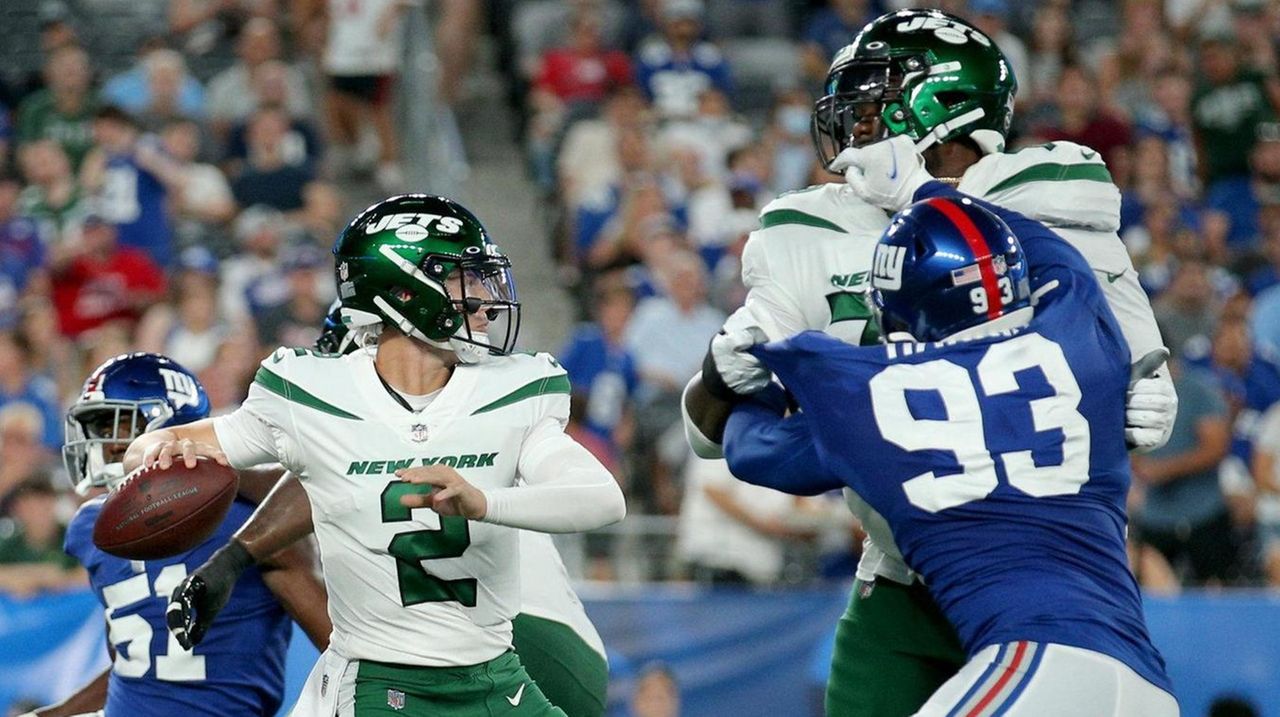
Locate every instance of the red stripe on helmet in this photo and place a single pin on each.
(978, 245)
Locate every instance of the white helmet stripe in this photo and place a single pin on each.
(407, 267)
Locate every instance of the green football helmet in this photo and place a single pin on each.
(922, 73)
(426, 265)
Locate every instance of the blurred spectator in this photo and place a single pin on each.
(296, 320)
(788, 139)
(674, 68)
(667, 335)
(210, 27)
(1189, 307)
(601, 369)
(1168, 116)
(323, 215)
(157, 88)
(300, 144)
(26, 456)
(1184, 515)
(188, 328)
(1052, 48)
(622, 229)
(20, 385)
(1254, 22)
(259, 233)
(826, 31)
(1232, 706)
(362, 58)
(656, 693)
(22, 253)
(49, 353)
(714, 132)
(571, 83)
(1264, 272)
(1081, 118)
(31, 557)
(1250, 379)
(104, 281)
(64, 110)
(732, 532)
(1229, 103)
(267, 177)
(52, 197)
(1234, 203)
(589, 161)
(991, 17)
(1265, 470)
(730, 19)
(1266, 312)
(202, 198)
(132, 179)
(233, 93)
(1142, 50)
(1151, 183)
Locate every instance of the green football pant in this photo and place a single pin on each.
(570, 673)
(893, 650)
(498, 688)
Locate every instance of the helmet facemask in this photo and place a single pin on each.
(867, 90)
(482, 294)
(99, 432)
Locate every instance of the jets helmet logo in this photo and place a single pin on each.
(945, 29)
(414, 227)
(180, 388)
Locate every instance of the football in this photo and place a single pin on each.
(157, 513)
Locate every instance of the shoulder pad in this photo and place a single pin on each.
(306, 377)
(1062, 184)
(825, 208)
(518, 377)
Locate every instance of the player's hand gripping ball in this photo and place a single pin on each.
(159, 511)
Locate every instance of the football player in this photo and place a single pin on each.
(935, 80)
(239, 669)
(989, 432)
(419, 453)
(553, 636)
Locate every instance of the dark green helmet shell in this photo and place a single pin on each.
(934, 76)
(392, 262)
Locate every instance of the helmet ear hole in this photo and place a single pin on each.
(952, 99)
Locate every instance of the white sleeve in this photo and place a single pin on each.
(702, 446)
(246, 439)
(769, 304)
(566, 489)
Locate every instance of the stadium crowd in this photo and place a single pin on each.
(182, 198)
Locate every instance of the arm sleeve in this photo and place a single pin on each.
(246, 439)
(566, 489)
(765, 448)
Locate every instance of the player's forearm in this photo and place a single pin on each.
(203, 440)
(90, 698)
(568, 491)
(704, 419)
(281, 519)
(767, 449)
(293, 576)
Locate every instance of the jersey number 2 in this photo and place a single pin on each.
(961, 432)
(131, 634)
(450, 540)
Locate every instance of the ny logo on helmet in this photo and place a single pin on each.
(180, 388)
(886, 270)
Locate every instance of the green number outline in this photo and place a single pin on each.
(852, 306)
(410, 548)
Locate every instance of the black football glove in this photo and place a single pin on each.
(198, 599)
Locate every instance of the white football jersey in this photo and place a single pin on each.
(405, 586)
(545, 591)
(810, 261)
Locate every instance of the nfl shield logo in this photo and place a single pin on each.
(418, 432)
(395, 699)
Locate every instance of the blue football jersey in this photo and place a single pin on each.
(134, 200)
(999, 462)
(238, 669)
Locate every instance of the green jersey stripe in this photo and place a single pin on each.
(778, 217)
(1050, 172)
(549, 384)
(283, 387)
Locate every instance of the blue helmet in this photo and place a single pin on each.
(122, 399)
(945, 265)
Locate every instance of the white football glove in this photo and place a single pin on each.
(1150, 408)
(885, 174)
(743, 373)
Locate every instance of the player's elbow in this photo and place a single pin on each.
(613, 508)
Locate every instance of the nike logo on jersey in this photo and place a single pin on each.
(515, 699)
(1111, 278)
